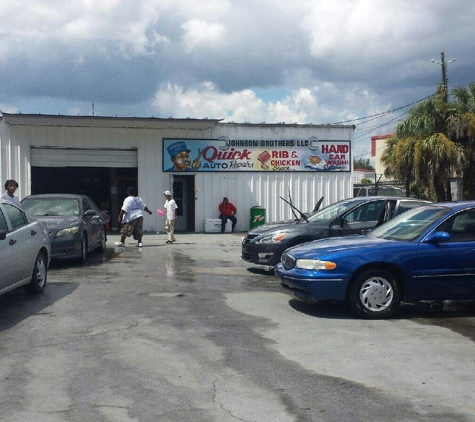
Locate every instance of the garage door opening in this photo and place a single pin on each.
(107, 187)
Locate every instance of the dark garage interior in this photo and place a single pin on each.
(107, 187)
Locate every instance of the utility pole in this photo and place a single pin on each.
(445, 81)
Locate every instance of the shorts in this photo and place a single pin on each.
(134, 227)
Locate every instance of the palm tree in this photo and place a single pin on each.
(421, 149)
(462, 128)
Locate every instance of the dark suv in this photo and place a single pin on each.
(265, 244)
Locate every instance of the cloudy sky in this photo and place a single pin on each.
(304, 61)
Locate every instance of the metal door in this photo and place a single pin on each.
(183, 188)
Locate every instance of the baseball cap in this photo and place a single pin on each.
(167, 192)
(177, 147)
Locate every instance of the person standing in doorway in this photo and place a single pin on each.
(170, 208)
(227, 211)
(10, 187)
(131, 218)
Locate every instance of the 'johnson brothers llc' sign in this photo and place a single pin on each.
(225, 154)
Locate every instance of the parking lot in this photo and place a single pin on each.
(190, 332)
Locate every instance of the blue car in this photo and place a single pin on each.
(427, 253)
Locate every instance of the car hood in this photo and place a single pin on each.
(294, 226)
(59, 222)
(363, 244)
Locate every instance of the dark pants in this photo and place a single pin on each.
(224, 219)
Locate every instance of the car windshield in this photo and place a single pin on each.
(41, 207)
(409, 225)
(332, 211)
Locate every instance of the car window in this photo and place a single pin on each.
(371, 211)
(408, 205)
(85, 205)
(92, 205)
(16, 216)
(332, 211)
(408, 226)
(51, 206)
(461, 226)
(3, 222)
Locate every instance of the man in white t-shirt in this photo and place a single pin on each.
(131, 218)
(170, 209)
(10, 187)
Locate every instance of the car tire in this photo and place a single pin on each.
(82, 259)
(39, 275)
(375, 294)
(102, 246)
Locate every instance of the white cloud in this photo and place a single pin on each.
(201, 34)
(313, 61)
(300, 106)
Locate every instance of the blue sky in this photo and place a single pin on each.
(303, 61)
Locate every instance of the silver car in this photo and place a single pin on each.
(25, 247)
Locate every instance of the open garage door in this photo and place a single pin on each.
(102, 174)
(72, 157)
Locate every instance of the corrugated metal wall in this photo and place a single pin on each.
(244, 189)
(247, 189)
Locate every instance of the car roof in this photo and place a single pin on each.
(363, 199)
(457, 205)
(55, 195)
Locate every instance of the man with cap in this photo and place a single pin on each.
(170, 209)
(180, 156)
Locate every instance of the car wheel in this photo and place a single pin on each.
(38, 278)
(375, 294)
(83, 257)
(102, 246)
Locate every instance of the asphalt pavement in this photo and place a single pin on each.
(190, 332)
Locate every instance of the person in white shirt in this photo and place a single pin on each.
(10, 187)
(170, 208)
(131, 218)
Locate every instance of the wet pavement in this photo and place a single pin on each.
(190, 332)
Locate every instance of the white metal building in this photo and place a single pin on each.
(102, 156)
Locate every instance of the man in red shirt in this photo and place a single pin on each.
(227, 211)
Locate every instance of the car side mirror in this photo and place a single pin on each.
(339, 221)
(3, 234)
(90, 212)
(438, 237)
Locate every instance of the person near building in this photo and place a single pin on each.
(10, 187)
(227, 212)
(170, 209)
(131, 218)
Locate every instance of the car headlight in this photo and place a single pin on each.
(67, 232)
(272, 238)
(315, 264)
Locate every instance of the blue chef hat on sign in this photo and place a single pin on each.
(177, 147)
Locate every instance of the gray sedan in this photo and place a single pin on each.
(25, 247)
(76, 224)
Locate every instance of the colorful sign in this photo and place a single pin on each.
(198, 155)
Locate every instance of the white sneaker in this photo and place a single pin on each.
(119, 244)
(140, 244)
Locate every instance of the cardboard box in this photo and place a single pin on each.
(213, 225)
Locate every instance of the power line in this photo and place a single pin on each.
(383, 113)
(371, 129)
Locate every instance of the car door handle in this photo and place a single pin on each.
(12, 241)
(33, 232)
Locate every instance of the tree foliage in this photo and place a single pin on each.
(435, 143)
(364, 164)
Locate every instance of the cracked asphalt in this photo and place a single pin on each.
(190, 332)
